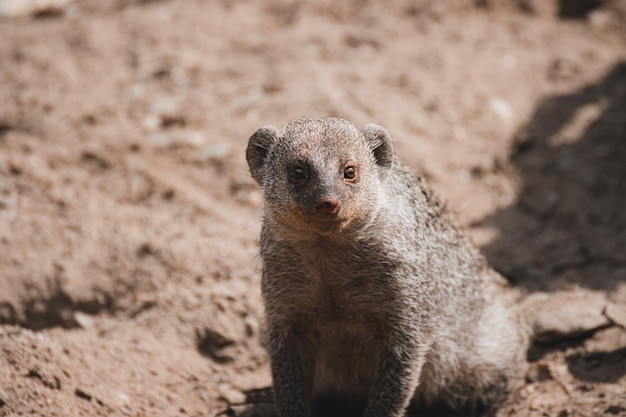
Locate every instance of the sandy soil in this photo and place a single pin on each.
(129, 275)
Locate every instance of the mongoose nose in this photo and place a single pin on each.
(327, 206)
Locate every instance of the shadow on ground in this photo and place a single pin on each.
(602, 367)
(569, 223)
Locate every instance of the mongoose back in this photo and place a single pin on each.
(374, 300)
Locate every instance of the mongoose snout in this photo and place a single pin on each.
(327, 206)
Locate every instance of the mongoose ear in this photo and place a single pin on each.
(258, 148)
(379, 142)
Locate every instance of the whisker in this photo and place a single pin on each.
(251, 226)
(240, 199)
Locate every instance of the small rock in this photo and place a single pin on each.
(220, 340)
(257, 402)
(232, 396)
(501, 109)
(212, 344)
(121, 399)
(560, 316)
(617, 314)
(83, 320)
(151, 123)
(21, 8)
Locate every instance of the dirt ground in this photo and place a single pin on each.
(129, 274)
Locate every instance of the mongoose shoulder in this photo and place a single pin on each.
(373, 298)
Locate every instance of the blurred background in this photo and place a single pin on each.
(129, 272)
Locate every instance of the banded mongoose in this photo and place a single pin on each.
(373, 298)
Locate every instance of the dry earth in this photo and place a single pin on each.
(129, 276)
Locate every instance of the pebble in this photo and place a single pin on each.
(501, 109)
(83, 320)
(20, 8)
(122, 400)
(151, 123)
(232, 396)
(617, 314)
(558, 316)
(215, 340)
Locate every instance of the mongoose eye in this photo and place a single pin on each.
(297, 175)
(349, 173)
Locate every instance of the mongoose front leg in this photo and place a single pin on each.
(291, 390)
(396, 380)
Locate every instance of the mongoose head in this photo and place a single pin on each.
(320, 175)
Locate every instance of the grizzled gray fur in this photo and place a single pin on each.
(373, 297)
